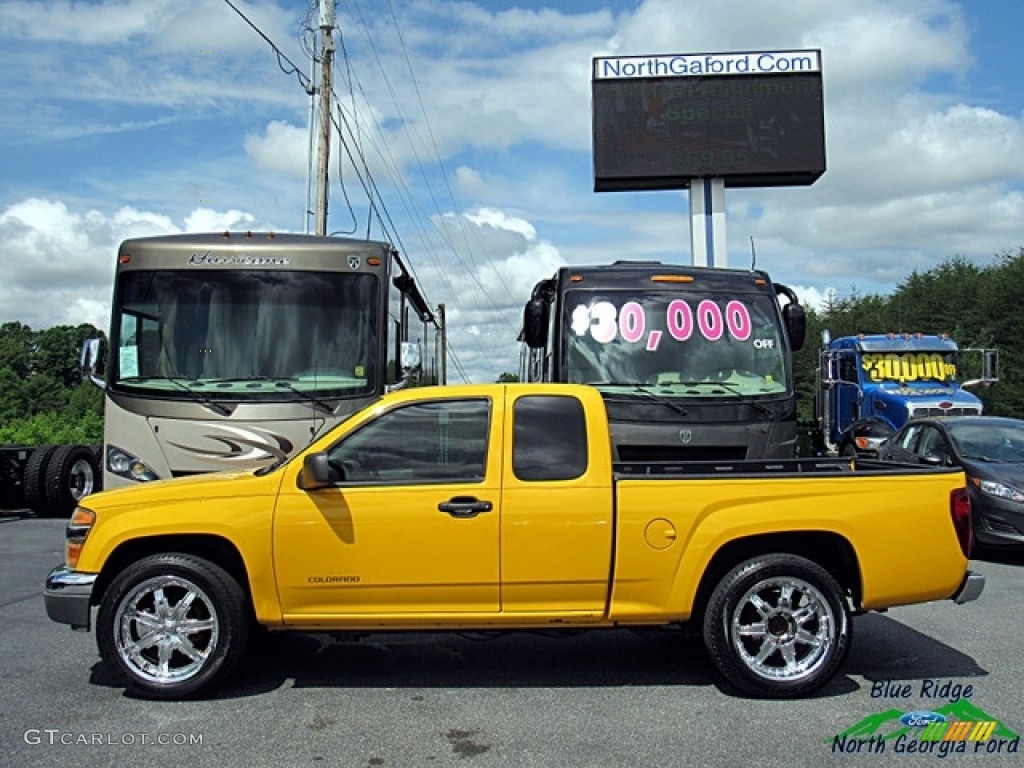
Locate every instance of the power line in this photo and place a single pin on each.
(304, 81)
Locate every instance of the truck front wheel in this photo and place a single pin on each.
(777, 626)
(172, 625)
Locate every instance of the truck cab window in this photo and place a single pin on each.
(549, 440)
(431, 442)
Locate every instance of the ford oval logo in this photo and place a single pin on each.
(921, 717)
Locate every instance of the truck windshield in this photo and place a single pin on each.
(245, 335)
(904, 367)
(683, 345)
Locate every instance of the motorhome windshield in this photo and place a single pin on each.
(686, 345)
(245, 335)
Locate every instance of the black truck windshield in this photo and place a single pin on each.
(246, 335)
(688, 345)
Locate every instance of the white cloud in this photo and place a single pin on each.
(920, 168)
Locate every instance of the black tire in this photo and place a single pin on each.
(848, 450)
(34, 482)
(178, 656)
(70, 476)
(777, 626)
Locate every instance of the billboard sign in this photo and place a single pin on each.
(752, 118)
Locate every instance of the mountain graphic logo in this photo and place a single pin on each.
(888, 725)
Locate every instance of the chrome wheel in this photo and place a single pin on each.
(82, 479)
(166, 629)
(777, 625)
(782, 629)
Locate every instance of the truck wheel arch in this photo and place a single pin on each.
(828, 549)
(214, 549)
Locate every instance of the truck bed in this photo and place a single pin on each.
(752, 468)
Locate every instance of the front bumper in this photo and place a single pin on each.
(68, 597)
(970, 589)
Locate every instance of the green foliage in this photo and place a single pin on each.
(979, 307)
(507, 378)
(42, 397)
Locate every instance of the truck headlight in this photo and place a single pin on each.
(999, 490)
(81, 522)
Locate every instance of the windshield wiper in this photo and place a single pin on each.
(199, 397)
(643, 390)
(282, 383)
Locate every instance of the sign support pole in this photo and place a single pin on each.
(707, 223)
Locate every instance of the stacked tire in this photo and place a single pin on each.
(57, 477)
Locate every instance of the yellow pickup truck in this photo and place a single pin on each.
(499, 507)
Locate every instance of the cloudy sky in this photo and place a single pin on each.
(125, 118)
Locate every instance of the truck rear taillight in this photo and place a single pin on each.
(960, 511)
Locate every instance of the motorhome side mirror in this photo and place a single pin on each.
(90, 362)
(90, 356)
(535, 323)
(796, 325)
(412, 357)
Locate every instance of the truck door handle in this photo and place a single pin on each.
(465, 506)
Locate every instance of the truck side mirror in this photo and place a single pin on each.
(831, 368)
(990, 365)
(535, 323)
(316, 472)
(796, 325)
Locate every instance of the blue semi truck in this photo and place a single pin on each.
(869, 385)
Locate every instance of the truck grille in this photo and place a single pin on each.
(962, 411)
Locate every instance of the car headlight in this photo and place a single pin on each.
(999, 490)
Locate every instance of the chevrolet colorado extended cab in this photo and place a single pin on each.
(499, 507)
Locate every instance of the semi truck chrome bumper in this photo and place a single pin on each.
(68, 594)
(970, 589)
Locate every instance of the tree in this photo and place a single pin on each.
(42, 399)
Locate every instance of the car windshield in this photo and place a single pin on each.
(1003, 442)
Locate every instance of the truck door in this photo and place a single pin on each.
(557, 524)
(846, 395)
(410, 527)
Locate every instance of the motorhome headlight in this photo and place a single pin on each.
(999, 490)
(124, 464)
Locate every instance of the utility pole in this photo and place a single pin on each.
(444, 344)
(327, 18)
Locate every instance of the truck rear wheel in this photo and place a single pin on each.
(172, 625)
(777, 626)
(34, 479)
(71, 475)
